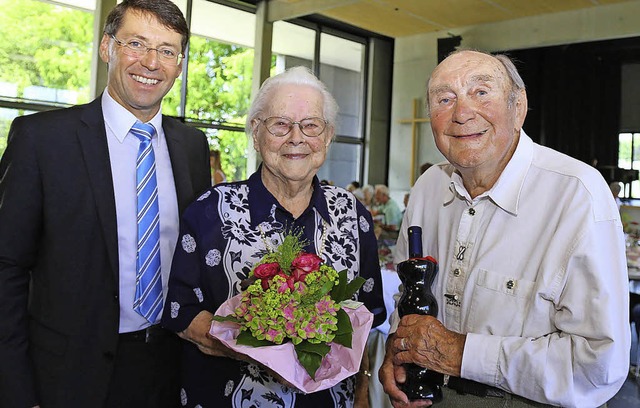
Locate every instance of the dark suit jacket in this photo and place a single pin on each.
(59, 309)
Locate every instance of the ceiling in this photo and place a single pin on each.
(400, 18)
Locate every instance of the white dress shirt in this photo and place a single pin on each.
(123, 151)
(535, 274)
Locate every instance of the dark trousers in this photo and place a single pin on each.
(146, 372)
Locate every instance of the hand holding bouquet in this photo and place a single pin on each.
(295, 298)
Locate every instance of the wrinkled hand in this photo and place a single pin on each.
(392, 376)
(423, 340)
(198, 334)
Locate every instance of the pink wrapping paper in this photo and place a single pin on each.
(341, 362)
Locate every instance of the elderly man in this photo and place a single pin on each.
(532, 284)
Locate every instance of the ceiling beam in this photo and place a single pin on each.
(288, 9)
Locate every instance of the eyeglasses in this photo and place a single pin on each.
(279, 127)
(135, 48)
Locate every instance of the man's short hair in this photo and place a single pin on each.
(167, 13)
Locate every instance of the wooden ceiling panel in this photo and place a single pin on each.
(399, 18)
(458, 13)
(521, 8)
(381, 18)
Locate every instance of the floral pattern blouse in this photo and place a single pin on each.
(223, 234)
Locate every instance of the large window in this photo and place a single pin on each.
(219, 78)
(46, 48)
(629, 158)
(46, 52)
(45, 56)
(339, 62)
(342, 69)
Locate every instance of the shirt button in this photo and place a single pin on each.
(510, 284)
(456, 272)
(472, 211)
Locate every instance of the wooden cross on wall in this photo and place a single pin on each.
(415, 121)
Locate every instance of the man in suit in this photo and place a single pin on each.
(70, 335)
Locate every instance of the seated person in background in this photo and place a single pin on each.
(387, 207)
(354, 185)
(368, 192)
(359, 194)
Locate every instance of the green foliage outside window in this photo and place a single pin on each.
(45, 51)
(45, 45)
(218, 91)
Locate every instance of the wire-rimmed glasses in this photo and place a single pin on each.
(136, 48)
(279, 126)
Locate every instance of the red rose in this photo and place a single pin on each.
(266, 271)
(305, 264)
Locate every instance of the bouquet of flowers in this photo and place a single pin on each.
(296, 301)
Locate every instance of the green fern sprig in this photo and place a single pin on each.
(291, 246)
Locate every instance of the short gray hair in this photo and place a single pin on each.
(382, 188)
(517, 84)
(293, 76)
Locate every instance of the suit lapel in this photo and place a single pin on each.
(92, 137)
(179, 163)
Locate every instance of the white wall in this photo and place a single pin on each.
(416, 56)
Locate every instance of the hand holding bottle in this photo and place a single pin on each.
(423, 340)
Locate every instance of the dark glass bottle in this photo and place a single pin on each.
(417, 274)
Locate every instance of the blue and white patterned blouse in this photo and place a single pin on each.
(223, 234)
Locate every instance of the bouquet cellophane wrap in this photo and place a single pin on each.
(340, 363)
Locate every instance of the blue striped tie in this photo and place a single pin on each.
(148, 298)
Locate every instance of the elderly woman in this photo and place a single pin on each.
(228, 229)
